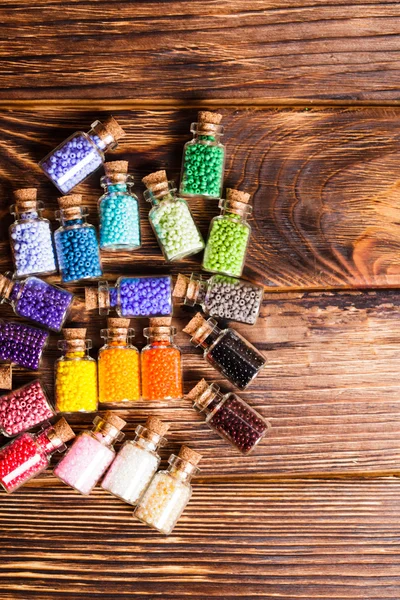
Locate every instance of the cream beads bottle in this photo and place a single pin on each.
(171, 219)
(136, 462)
(169, 492)
(91, 454)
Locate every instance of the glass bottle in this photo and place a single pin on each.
(30, 236)
(226, 350)
(22, 344)
(118, 209)
(119, 371)
(203, 159)
(29, 454)
(141, 296)
(75, 374)
(161, 362)
(229, 235)
(171, 219)
(136, 462)
(221, 296)
(81, 154)
(169, 492)
(91, 454)
(34, 299)
(76, 242)
(24, 408)
(230, 416)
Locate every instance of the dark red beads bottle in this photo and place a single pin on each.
(29, 454)
(230, 416)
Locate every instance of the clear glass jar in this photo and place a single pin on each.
(203, 159)
(171, 219)
(221, 296)
(81, 154)
(24, 408)
(168, 494)
(136, 462)
(91, 454)
(75, 374)
(30, 236)
(34, 299)
(226, 350)
(119, 369)
(22, 344)
(118, 210)
(76, 242)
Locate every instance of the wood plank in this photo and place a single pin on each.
(184, 50)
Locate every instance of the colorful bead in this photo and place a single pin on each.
(24, 408)
(32, 245)
(20, 460)
(203, 167)
(142, 296)
(161, 372)
(233, 299)
(119, 375)
(77, 251)
(76, 383)
(119, 219)
(22, 344)
(226, 246)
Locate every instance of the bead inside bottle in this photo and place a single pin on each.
(22, 344)
(24, 408)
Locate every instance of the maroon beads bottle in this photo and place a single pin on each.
(230, 416)
(29, 454)
(24, 408)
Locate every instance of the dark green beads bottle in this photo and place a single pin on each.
(204, 158)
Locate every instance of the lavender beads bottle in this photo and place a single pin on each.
(81, 154)
(30, 236)
(22, 344)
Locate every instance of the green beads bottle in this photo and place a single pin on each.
(229, 236)
(204, 158)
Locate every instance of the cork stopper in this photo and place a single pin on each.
(237, 196)
(116, 323)
(156, 181)
(157, 426)
(74, 334)
(181, 286)
(6, 286)
(205, 116)
(70, 201)
(160, 322)
(113, 128)
(25, 195)
(6, 376)
(198, 390)
(190, 455)
(91, 298)
(195, 324)
(113, 419)
(63, 430)
(115, 167)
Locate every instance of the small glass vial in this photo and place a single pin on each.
(171, 219)
(22, 344)
(229, 236)
(30, 236)
(75, 374)
(221, 296)
(142, 296)
(91, 454)
(76, 242)
(81, 154)
(118, 363)
(136, 462)
(161, 362)
(226, 350)
(118, 209)
(169, 492)
(29, 454)
(230, 416)
(34, 299)
(204, 158)
(24, 408)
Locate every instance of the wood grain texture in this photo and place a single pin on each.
(271, 50)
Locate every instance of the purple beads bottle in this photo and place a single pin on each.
(230, 416)
(45, 304)
(22, 344)
(30, 236)
(81, 154)
(142, 296)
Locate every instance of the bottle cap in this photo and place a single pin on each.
(113, 419)
(63, 430)
(6, 286)
(70, 201)
(237, 196)
(115, 167)
(91, 298)
(25, 197)
(181, 286)
(113, 128)
(160, 322)
(206, 116)
(189, 455)
(198, 390)
(74, 334)
(157, 181)
(157, 426)
(116, 323)
(6, 376)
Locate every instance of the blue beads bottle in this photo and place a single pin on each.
(30, 236)
(76, 242)
(81, 154)
(118, 209)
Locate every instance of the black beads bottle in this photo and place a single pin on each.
(226, 350)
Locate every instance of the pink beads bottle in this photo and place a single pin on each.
(91, 454)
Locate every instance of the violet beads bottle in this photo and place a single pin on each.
(29, 454)
(81, 154)
(22, 344)
(91, 454)
(136, 462)
(30, 236)
(34, 299)
(230, 416)
(24, 408)
(221, 296)
(226, 350)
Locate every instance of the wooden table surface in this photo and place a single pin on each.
(310, 100)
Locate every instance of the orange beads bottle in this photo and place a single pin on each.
(161, 362)
(119, 370)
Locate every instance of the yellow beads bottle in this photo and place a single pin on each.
(119, 367)
(76, 374)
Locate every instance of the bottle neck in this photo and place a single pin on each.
(117, 337)
(207, 133)
(161, 192)
(49, 441)
(27, 212)
(117, 183)
(238, 211)
(181, 469)
(75, 215)
(209, 399)
(148, 440)
(206, 334)
(160, 335)
(75, 348)
(106, 433)
(196, 291)
(101, 137)
(9, 290)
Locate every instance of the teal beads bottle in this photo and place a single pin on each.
(229, 236)
(118, 209)
(204, 158)
(171, 219)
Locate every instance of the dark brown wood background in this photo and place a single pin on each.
(310, 97)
